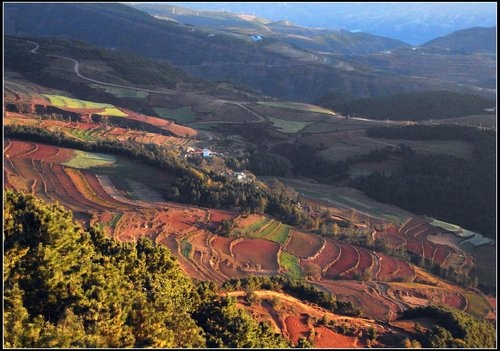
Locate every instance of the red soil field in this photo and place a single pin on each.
(187, 267)
(221, 244)
(415, 246)
(442, 253)
(428, 249)
(230, 271)
(44, 151)
(244, 222)
(405, 272)
(62, 155)
(392, 240)
(85, 126)
(356, 292)
(348, 259)
(297, 327)
(8, 167)
(303, 245)
(70, 189)
(105, 217)
(388, 267)
(392, 229)
(416, 221)
(19, 148)
(327, 338)
(98, 189)
(329, 254)
(365, 262)
(455, 300)
(162, 123)
(257, 252)
(7, 145)
(218, 216)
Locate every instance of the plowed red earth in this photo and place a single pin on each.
(329, 253)
(303, 245)
(258, 251)
(297, 327)
(218, 216)
(348, 259)
(326, 338)
(388, 267)
(221, 244)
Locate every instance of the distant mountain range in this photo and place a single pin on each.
(478, 39)
(271, 66)
(339, 41)
(412, 22)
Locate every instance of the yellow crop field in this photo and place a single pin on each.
(71, 103)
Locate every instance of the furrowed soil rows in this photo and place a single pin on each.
(388, 267)
(95, 185)
(371, 305)
(348, 260)
(393, 241)
(330, 254)
(415, 246)
(427, 249)
(442, 253)
(365, 264)
(303, 245)
(70, 188)
(405, 272)
(222, 244)
(18, 148)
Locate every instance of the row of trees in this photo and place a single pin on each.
(411, 106)
(452, 328)
(298, 288)
(69, 287)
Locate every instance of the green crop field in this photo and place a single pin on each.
(291, 264)
(280, 234)
(121, 92)
(257, 225)
(84, 160)
(186, 248)
(179, 115)
(478, 306)
(70, 103)
(288, 126)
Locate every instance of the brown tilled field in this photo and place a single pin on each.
(329, 254)
(348, 260)
(327, 338)
(297, 327)
(303, 245)
(257, 253)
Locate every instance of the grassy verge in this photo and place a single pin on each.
(291, 264)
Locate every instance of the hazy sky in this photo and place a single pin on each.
(413, 22)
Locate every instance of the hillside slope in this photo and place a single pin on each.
(275, 68)
(472, 40)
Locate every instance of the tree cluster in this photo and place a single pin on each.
(69, 287)
(452, 328)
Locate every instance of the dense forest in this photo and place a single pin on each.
(414, 107)
(452, 328)
(442, 186)
(70, 287)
